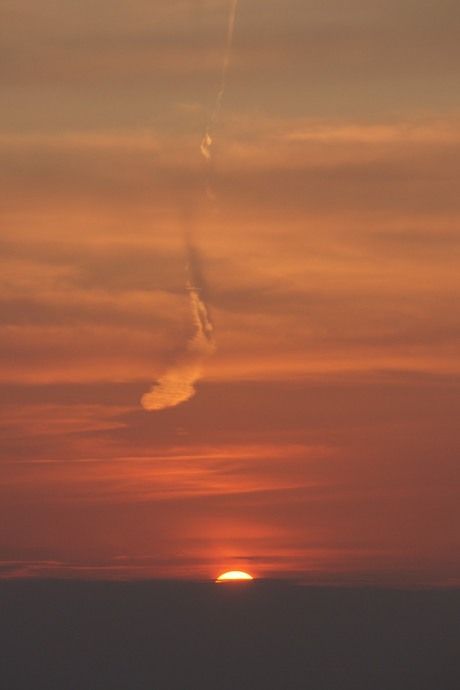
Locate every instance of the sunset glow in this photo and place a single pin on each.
(234, 575)
(229, 288)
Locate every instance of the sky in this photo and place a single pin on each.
(300, 288)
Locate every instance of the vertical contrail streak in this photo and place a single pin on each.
(206, 143)
(177, 384)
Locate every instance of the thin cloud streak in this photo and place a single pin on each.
(177, 384)
(206, 143)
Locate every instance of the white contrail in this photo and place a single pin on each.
(177, 384)
(206, 143)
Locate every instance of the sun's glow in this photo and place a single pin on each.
(233, 575)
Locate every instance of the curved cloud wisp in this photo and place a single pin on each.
(177, 384)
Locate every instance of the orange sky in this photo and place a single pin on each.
(322, 442)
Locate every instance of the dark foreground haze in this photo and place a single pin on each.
(186, 636)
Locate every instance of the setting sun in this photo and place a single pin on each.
(234, 575)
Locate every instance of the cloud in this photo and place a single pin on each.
(441, 132)
(336, 248)
(177, 384)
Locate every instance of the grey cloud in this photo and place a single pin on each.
(119, 176)
(126, 48)
(419, 177)
(94, 393)
(377, 185)
(120, 267)
(39, 311)
(437, 245)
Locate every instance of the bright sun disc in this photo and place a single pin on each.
(234, 575)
